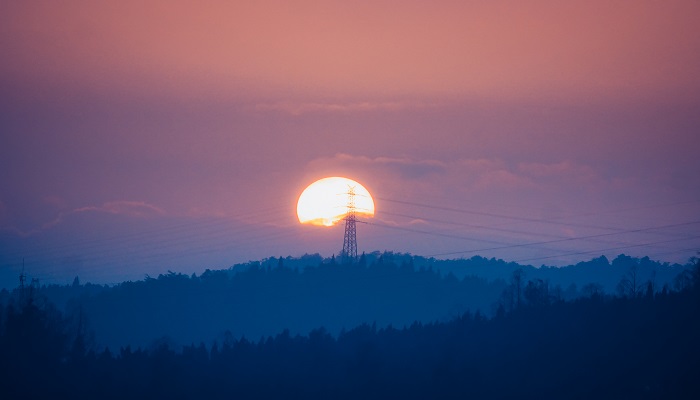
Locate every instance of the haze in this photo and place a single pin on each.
(138, 138)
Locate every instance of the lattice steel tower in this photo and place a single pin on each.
(349, 253)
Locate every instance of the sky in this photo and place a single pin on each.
(138, 138)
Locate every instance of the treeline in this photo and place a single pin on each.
(299, 294)
(599, 346)
(265, 298)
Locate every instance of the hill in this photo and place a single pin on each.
(300, 294)
(598, 346)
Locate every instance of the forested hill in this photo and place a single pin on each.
(300, 294)
(598, 346)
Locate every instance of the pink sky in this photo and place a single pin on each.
(552, 119)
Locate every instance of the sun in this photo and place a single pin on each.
(325, 202)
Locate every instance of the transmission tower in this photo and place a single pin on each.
(349, 253)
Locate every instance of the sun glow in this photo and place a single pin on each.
(325, 202)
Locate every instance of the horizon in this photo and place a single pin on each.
(373, 255)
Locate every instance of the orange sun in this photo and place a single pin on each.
(325, 202)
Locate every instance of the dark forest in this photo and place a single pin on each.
(535, 340)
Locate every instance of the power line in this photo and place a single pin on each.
(573, 238)
(503, 245)
(486, 227)
(488, 214)
(604, 250)
(186, 227)
(511, 245)
(176, 241)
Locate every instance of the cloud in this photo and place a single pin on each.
(299, 108)
(487, 174)
(359, 47)
(136, 209)
(564, 169)
(476, 179)
(478, 172)
(403, 167)
(501, 179)
(129, 208)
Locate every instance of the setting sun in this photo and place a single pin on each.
(325, 202)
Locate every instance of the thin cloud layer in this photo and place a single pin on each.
(132, 209)
(492, 49)
(128, 208)
(300, 108)
(468, 174)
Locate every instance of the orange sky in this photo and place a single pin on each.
(377, 49)
(124, 114)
